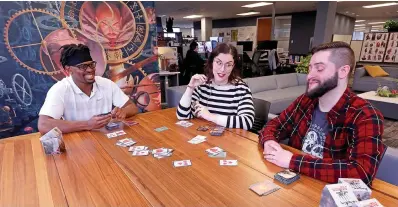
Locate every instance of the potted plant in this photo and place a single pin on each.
(302, 67)
(391, 26)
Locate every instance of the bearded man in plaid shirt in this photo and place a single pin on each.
(339, 132)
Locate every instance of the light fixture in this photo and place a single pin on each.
(361, 20)
(193, 16)
(357, 15)
(287, 24)
(376, 23)
(380, 5)
(248, 13)
(257, 4)
(359, 25)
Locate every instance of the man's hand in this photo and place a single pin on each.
(279, 156)
(270, 146)
(119, 113)
(97, 122)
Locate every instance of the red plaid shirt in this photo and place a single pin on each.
(353, 147)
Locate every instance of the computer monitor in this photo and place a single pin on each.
(267, 45)
(247, 45)
(214, 44)
(201, 47)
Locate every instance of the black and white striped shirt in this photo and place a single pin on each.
(232, 103)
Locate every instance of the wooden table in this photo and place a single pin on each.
(96, 172)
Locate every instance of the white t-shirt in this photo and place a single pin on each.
(66, 100)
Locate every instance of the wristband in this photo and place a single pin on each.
(191, 87)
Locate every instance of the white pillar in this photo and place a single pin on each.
(206, 27)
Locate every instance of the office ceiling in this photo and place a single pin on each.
(229, 9)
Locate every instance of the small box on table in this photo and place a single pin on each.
(361, 190)
(338, 195)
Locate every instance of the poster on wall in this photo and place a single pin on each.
(374, 46)
(392, 49)
(121, 37)
(234, 35)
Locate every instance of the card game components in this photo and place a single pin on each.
(160, 129)
(203, 128)
(162, 152)
(126, 142)
(140, 153)
(338, 195)
(185, 124)
(130, 123)
(264, 188)
(182, 163)
(112, 126)
(219, 155)
(286, 177)
(198, 139)
(115, 134)
(138, 148)
(361, 190)
(217, 131)
(368, 203)
(228, 162)
(214, 151)
(53, 142)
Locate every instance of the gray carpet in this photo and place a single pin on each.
(390, 136)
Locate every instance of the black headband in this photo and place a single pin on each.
(78, 57)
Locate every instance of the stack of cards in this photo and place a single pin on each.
(368, 203)
(127, 142)
(185, 124)
(182, 163)
(112, 126)
(162, 152)
(217, 131)
(219, 155)
(203, 128)
(228, 162)
(130, 123)
(361, 190)
(138, 148)
(214, 151)
(115, 134)
(264, 188)
(286, 176)
(198, 139)
(139, 151)
(160, 129)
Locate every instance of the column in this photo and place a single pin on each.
(324, 23)
(206, 27)
(273, 22)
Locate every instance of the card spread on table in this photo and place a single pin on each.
(130, 123)
(229, 162)
(185, 124)
(217, 131)
(264, 188)
(182, 163)
(138, 148)
(160, 129)
(162, 152)
(120, 133)
(111, 135)
(198, 139)
(219, 155)
(286, 176)
(127, 142)
(214, 151)
(140, 153)
(203, 128)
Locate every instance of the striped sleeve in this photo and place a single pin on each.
(184, 110)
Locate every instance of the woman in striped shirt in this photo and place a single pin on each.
(219, 96)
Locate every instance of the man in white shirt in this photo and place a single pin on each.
(82, 101)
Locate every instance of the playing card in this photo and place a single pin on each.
(159, 156)
(160, 129)
(264, 188)
(130, 123)
(229, 162)
(111, 135)
(138, 148)
(182, 163)
(203, 128)
(161, 151)
(214, 150)
(221, 155)
(140, 153)
(184, 123)
(127, 142)
(119, 133)
(198, 139)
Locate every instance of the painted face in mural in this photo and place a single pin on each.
(109, 20)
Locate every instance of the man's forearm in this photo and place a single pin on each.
(131, 110)
(65, 126)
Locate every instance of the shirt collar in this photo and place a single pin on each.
(77, 90)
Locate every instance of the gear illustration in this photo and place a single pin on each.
(22, 89)
(139, 69)
(11, 48)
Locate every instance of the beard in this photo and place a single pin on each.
(323, 88)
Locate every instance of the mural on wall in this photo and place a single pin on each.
(121, 37)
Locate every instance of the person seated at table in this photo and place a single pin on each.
(219, 96)
(76, 102)
(339, 132)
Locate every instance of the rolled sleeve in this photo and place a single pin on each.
(119, 98)
(54, 104)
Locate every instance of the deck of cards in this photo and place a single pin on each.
(185, 124)
(228, 162)
(112, 126)
(115, 134)
(286, 177)
(182, 163)
(197, 140)
(361, 190)
(162, 152)
(340, 195)
(264, 188)
(217, 131)
(127, 142)
(368, 203)
(160, 129)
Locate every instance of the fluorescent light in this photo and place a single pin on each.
(360, 20)
(360, 28)
(287, 24)
(257, 4)
(193, 16)
(248, 13)
(359, 25)
(380, 5)
(376, 22)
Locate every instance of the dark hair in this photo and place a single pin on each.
(70, 51)
(193, 45)
(223, 48)
(341, 53)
